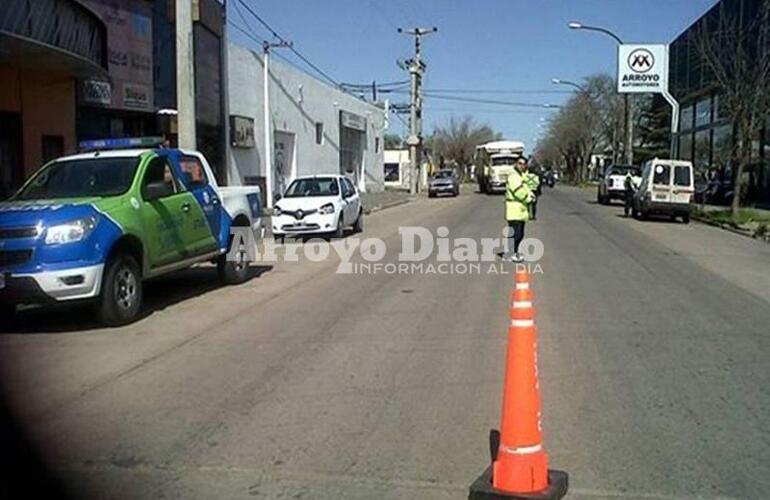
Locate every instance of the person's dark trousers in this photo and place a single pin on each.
(533, 210)
(629, 201)
(516, 234)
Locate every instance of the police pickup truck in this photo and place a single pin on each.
(94, 225)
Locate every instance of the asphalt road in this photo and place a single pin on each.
(305, 383)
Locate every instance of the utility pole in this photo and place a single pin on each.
(266, 46)
(185, 75)
(416, 70)
(629, 129)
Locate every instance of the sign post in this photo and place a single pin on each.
(643, 69)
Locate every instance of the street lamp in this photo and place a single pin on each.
(557, 81)
(576, 25)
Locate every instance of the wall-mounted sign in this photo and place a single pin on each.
(96, 92)
(241, 131)
(642, 69)
(136, 96)
(352, 120)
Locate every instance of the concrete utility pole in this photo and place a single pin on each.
(185, 75)
(416, 70)
(266, 46)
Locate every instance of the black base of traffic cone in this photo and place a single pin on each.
(482, 488)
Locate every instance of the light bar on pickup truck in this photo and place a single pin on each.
(121, 143)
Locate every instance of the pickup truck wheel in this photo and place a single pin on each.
(359, 225)
(686, 218)
(233, 272)
(121, 297)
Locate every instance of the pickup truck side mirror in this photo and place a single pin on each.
(157, 190)
(277, 196)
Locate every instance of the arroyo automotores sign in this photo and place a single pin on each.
(642, 69)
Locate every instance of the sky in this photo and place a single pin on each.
(516, 46)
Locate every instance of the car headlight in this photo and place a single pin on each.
(277, 211)
(71, 231)
(326, 209)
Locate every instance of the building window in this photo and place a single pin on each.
(703, 112)
(319, 132)
(702, 158)
(718, 111)
(685, 118)
(685, 147)
(723, 143)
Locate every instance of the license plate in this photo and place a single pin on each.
(660, 196)
(2, 281)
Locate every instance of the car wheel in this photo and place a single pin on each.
(121, 297)
(359, 225)
(686, 218)
(234, 270)
(431, 195)
(339, 233)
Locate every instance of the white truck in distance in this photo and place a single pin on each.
(494, 162)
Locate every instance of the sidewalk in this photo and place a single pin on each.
(374, 202)
(751, 222)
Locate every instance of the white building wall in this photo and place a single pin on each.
(297, 102)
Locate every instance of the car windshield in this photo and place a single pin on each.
(443, 174)
(622, 170)
(504, 160)
(81, 179)
(314, 186)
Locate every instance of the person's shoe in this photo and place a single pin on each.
(517, 257)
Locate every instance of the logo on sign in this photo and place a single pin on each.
(641, 61)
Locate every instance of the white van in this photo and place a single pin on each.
(667, 188)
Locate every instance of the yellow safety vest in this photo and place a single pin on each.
(517, 196)
(533, 180)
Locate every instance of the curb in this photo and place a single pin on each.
(727, 227)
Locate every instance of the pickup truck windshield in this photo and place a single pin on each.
(504, 160)
(81, 179)
(316, 186)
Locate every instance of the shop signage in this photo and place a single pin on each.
(241, 131)
(642, 69)
(352, 120)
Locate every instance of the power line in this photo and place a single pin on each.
(289, 46)
(498, 91)
(489, 101)
(379, 85)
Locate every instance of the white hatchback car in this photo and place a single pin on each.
(321, 204)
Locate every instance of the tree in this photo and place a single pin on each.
(392, 141)
(733, 47)
(456, 141)
(653, 129)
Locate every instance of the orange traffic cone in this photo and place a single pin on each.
(519, 463)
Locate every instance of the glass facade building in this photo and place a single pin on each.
(706, 134)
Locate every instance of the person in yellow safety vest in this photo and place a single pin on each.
(533, 182)
(518, 197)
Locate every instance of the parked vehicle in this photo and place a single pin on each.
(667, 188)
(444, 182)
(318, 205)
(95, 225)
(494, 162)
(612, 186)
